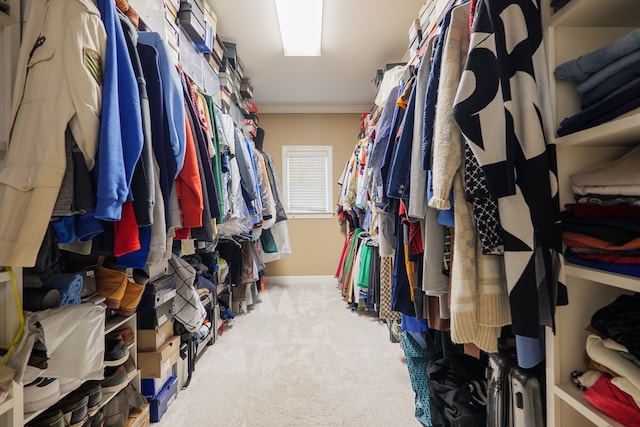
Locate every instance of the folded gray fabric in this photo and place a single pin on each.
(581, 68)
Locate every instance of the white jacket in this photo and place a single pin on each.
(58, 83)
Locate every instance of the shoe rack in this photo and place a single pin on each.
(111, 325)
(11, 408)
(578, 28)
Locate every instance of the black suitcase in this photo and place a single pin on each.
(516, 395)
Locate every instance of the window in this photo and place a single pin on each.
(307, 174)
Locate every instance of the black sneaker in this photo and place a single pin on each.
(97, 420)
(75, 410)
(114, 377)
(115, 352)
(51, 418)
(92, 390)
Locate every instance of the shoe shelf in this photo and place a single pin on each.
(11, 407)
(617, 280)
(29, 416)
(6, 405)
(107, 397)
(115, 322)
(571, 395)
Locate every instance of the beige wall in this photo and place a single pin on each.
(315, 243)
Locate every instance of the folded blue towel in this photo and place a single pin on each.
(69, 285)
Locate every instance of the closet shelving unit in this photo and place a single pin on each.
(580, 27)
(11, 408)
(111, 325)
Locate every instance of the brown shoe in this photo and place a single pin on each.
(125, 334)
(111, 284)
(131, 298)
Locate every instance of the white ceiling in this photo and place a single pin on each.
(359, 36)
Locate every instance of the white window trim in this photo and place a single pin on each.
(327, 152)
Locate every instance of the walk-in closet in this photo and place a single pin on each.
(319, 213)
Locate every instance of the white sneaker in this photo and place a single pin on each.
(41, 394)
(67, 385)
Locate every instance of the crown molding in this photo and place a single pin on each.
(313, 108)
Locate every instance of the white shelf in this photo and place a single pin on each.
(597, 13)
(6, 405)
(5, 19)
(107, 397)
(570, 394)
(29, 416)
(622, 131)
(616, 280)
(4, 276)
(116, 322)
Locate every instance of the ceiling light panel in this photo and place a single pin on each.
(300, 26)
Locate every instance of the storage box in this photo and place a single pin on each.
(211, 18)
(150, 387)
(160, 284)
(153, 318)
(171, 9)
(159, 405)
(155, 364)
(139, 417)
(153, 339)
(218, 48)
(246, 88)
(156, 300)
(230, 53)
(88, 282)
(191, 19)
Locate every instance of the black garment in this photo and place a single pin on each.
(620, 321)
(209, 191)
(167, 165)
(204, 232)
(617, 231)
(231, 251)
(485, 208)
(457, 387)
(143, 180)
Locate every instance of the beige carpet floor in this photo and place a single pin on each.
(299, 358)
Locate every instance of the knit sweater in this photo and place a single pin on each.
(479, 303)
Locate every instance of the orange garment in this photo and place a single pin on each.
(189, 187)
(579, 240)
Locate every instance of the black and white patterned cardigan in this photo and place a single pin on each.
(502, 108)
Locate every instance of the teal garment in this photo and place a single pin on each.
(216, 163)
(418, 359)
(365, 266)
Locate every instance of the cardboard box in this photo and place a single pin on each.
(155, 364)
(139, 417)
(153, 318)
(153, 339)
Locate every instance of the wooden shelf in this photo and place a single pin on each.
(617, 280)
(570, 394)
